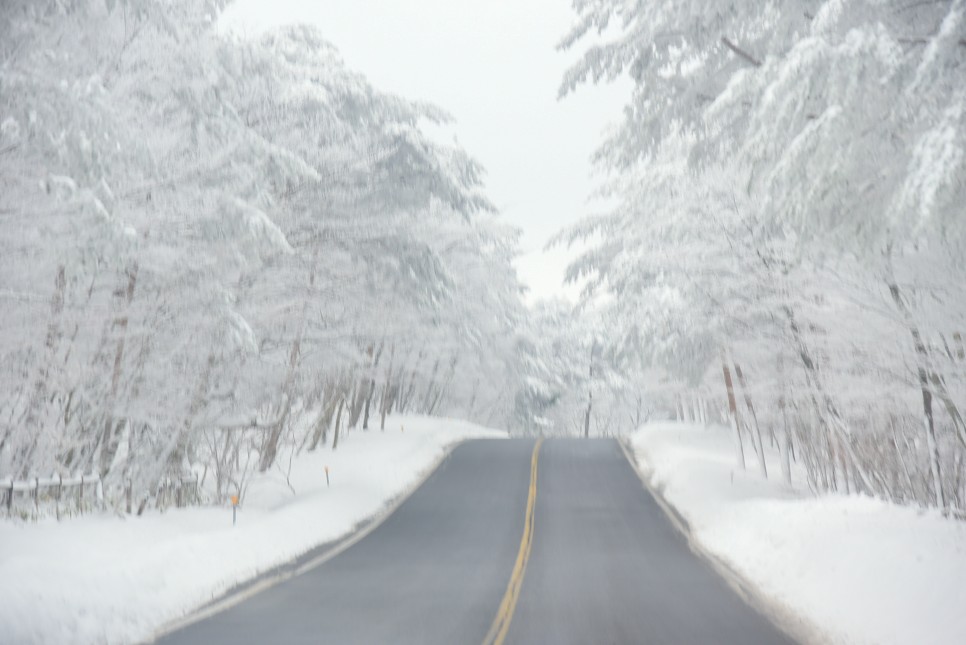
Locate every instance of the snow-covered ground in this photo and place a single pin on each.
(857, 569)
(102, 579)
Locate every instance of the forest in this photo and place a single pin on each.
(217, 252)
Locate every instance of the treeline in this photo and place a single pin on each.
(787, 249)
(216, 251)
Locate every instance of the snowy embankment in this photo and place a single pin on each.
(103, 579)
(855, 569)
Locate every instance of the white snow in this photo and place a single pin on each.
(859, 570)
(101, 579)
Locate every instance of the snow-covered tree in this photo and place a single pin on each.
(216, 249)
(789, 179)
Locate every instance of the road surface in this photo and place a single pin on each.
(507, 542)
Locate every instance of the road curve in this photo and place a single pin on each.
(456, 563)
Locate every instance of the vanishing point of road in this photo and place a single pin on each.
(508, 541)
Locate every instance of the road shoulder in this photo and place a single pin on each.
(783, 617)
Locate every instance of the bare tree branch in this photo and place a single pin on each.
(740, 52)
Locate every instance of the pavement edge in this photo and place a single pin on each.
(783, 617)
(314, 557)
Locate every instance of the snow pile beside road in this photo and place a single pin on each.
(102, 579)
(860, 570)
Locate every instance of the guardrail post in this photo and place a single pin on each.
(10, 498)
(37, 495)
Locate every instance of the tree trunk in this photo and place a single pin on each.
(922, 363)
(844, 463)
(365, 416)
(390, 402)
(733, 409)
(338, 422)
(827, 412)
(388, 389)
(784, 445)
(39, 395)
(180, 449)
(325, 419)
(910, 488)
(754, 417)
(110, 440)
(476, 387)
(430, 388)
(384, 407)
(405, 402)
(358, 402)
(270, 445)
(444, 386)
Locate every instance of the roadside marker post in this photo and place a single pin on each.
(234, 509)
(326, 476)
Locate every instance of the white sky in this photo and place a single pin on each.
(493, 65)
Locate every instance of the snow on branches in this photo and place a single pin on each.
(214, 250)
(790, 179)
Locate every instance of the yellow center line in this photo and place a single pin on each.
(501, 624)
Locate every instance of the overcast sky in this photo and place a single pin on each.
(494, 66)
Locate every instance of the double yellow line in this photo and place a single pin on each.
(501, 624)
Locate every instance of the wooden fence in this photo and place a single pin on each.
(44, 490)
(31, 498)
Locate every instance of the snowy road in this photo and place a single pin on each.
(504, 542)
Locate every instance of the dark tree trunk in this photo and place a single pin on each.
(338, 422)
(733, 409)
(270, 446)
(365, 415)
(751, 409)
(111, 439)
(321, 430)
(922, 360)
(825, 408)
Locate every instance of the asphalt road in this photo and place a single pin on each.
(501, 546)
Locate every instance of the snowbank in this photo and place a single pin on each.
(858, 569)
(102, 579)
